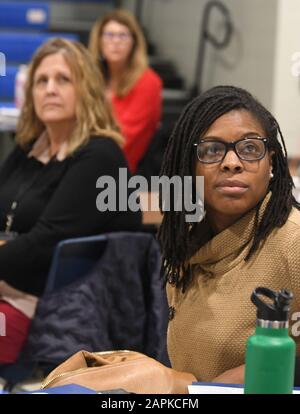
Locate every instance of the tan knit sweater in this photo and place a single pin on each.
(214, 317)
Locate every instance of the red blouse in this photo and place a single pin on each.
(138, 114)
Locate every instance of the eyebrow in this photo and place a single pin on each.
(36, 76)
(116, 31)
(246, 134)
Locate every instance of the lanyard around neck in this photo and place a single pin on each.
(21, 192)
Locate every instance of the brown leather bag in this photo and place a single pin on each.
(128, 370)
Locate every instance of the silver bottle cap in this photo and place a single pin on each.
(262, 323)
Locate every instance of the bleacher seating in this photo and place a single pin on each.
(27, 15)
(19, 47)
(23, 28)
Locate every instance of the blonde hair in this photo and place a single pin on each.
(137, 61)
(93, 116)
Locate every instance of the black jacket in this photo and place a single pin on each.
(121, 304)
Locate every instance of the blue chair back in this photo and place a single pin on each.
(24, 15)
(74, 258)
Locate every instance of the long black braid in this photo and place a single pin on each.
(175, 233)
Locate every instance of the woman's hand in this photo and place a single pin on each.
(232, 376)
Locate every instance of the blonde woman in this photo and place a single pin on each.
(66, 140)
(133, 89)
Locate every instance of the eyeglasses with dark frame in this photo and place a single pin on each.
(247, 149)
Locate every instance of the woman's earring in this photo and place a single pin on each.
(271, 175)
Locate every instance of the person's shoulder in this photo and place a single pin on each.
(99, 145)
(100, 150)
(294, 219)
(290, 231)
(18, 153)
(151, 74)
(150, 78)
(21, 151)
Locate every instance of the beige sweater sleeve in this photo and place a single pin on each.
(294, 265)
(293, 256)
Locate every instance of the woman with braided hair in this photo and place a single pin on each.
(249, 236)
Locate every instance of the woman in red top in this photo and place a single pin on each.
(133, 89)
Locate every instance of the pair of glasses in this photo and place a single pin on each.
(121, 36)
(247, 149)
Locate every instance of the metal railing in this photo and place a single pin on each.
(207, 37)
